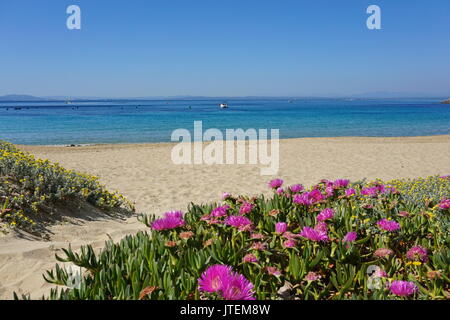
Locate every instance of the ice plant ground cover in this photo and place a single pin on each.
(335, 240)
(33, 190)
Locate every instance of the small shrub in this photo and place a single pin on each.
(32, 189)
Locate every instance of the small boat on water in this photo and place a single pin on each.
(223, 105)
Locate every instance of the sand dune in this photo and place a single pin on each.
(145, 174)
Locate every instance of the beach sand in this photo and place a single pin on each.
(146, 175)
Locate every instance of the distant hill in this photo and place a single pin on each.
(446, 101)
(20, 97)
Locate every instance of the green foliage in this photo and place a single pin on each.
(166, 264)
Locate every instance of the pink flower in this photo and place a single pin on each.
(314, 235)
(257, 236)
(312, 276)
(370, 192)
(382, 252)
(325, 214)
(220, 211)
(212, 279)
(329, 191)
(290, 243)
(404, 213)
(308, 198)
(259, 246)
(280, 191)
(403, 288)
(240, 222)
(350, 237)
(388, 225)
(316, 195)
(340, 183)
(417, 253)
(273, 271)
(321, 227)
(249, 258)
(237, 287)
(445, 204)
(276, 183)
(229, 285)
(303, 199)
(281, 227)
(171, 220)
(296, 188)
(350, 192)
(447, 177)
(245, 208)
(226, 196)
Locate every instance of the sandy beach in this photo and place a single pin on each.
(146, 175)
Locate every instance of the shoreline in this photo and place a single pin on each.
(171, 143)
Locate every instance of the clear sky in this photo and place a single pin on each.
(223, 48)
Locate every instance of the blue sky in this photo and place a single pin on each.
(224, 48)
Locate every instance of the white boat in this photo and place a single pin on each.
(224, 105)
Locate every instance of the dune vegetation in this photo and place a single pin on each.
(334, 240)
(33, 192)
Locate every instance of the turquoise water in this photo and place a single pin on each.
(56, 123)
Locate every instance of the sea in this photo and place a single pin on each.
(139, 121)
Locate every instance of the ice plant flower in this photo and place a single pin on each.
(257, 236)
(220, 279)
(171, 220)
(220, 211)
(350, 237)
(321, 227)
(280, 191)
(239, 222)
(303, 199)
(186, 235)
(340, 183)
(404, 213)
(325, 214)
(276, 183)
(237, 287)
(296, 188)
(314, 235)
(280, 227)
(259, 246)
(249, 258)
(388, 225)
(290, 243)
(226, 196)
(212, 279)
(382, 252)
(370, 192)
(273, 271)
(312, 276)
(403, 288)
(245, 208)
(445, 204)
(417, 253)
(316, 195)
(350, 192)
